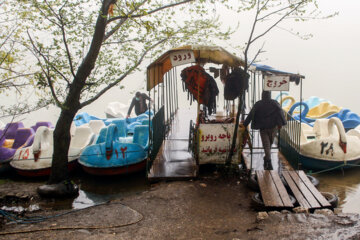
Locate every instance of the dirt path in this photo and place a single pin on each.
(208, 208)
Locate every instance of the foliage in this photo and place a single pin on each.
(58, 34)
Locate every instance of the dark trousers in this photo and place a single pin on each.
(267, 139)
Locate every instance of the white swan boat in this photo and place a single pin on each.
(36, 159)
(324, 146)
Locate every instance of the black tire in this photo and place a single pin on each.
(258, 203)
(331, 198)
(252, 183)
(313, 180)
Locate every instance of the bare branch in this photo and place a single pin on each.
(277, 11)
(100, 93)
(43, 70)
(66, 46)
(282, 18)
(257, 54)
(122, 21)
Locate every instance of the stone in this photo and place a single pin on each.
(262, 216)
(325, 211)
(285, 211)
(203, 185)
(84, 231)
(300, 209)
(337, 210)
(274, 213)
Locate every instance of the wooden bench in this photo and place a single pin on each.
(304, 191)
(272, 189)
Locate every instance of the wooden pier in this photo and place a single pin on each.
(174, 161)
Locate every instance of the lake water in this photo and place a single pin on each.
(346, 185)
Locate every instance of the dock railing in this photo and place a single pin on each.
(289, 140)
(157, 135)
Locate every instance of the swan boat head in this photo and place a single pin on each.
(342, 140)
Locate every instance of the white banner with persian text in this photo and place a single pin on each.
(182, 57)
(215, 143)
(276, 83)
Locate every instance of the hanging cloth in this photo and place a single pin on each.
(194, 79)
(235, 82)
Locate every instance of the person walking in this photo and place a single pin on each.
(267, 116)
(139, 102)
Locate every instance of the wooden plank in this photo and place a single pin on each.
(268, 189)
(297, 193)
(305, 191)
(281, 189)
(319, 197)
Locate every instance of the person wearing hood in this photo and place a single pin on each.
(266, 116)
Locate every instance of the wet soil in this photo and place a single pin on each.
(211, 207)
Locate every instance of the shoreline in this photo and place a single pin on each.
(211, 207)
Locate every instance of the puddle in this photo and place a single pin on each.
(99, 189)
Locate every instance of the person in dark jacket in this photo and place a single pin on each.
(267, 116)
(139, 102)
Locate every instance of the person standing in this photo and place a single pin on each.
(139, 102)
(267, 116)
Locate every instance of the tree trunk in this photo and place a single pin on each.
(62, 138)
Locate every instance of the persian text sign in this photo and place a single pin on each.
(182, 57)
(215, 142)
(276, 83)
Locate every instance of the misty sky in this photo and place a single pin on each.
(329, 60)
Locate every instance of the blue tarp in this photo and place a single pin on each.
(262, 67)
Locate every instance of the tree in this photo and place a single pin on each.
(268, 14)
(83, 48)
(14, 75)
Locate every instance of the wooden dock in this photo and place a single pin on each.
(174, 161)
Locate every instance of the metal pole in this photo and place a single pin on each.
(174, 92)
(170, 95)
(298, 145)
(167, 98)
(176, 87)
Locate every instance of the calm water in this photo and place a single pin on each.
(344, 184)
(96, 189)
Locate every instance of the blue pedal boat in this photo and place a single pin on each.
(349, 119)
(115, 152)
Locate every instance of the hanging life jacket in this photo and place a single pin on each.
(195, 79)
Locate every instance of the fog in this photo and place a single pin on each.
(328, 60)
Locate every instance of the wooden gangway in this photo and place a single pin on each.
(275, 194)
(304, 191)
(272, 182)
(174, 161)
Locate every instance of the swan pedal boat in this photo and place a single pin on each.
(36, 160)
(326, 145)
(116, 153)
(312, 102)
(348, 118)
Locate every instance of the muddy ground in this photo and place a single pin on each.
(211, 207)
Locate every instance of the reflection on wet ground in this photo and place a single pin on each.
(98, 189)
